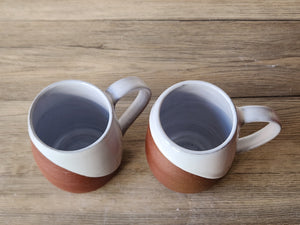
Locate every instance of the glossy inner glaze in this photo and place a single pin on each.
(196, 119)
(70, 116)
(70, 123)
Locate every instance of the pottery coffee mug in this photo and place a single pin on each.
(193, 135)
(75, 134)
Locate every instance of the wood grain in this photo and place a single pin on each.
(262, 187)
(149, 10)
(249, 48)
(262, 55)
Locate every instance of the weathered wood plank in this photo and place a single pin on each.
(150, 10)
(248, 48)
(244, 58)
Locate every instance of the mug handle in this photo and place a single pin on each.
(253, 113)
(122, 87)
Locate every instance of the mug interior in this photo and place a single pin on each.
(197, 116)
(70, 115)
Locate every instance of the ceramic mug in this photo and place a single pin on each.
(75, 134)
(193, 135)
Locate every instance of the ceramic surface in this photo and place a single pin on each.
(172, 176)
(195, 126)
(65, 179)
(75, 134)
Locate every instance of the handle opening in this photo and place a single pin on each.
(250, 114)
(122, 88)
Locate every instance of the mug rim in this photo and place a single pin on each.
(35, 138)
(163, 96)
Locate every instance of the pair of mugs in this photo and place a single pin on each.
(191, 139)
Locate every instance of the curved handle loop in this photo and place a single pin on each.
(122, 87)
(249, 114)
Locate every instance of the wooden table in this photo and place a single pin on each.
(251, 49)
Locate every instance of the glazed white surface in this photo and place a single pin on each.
(104, 155)
(96, 160)
(214, 163)
(257, 113)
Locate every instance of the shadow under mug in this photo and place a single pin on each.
(75, 134)
(193, 134)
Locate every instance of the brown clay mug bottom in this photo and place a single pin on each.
(172, 176)
(65, 179)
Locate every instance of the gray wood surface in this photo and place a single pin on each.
(149, 10)
(251, 49)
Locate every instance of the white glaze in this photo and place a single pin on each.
(104, 155)
(256, 113)
(211, 163)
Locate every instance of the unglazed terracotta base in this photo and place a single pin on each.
(170, 175)
(65, 179)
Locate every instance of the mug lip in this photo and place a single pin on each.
(161, 99)
(61, 83)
